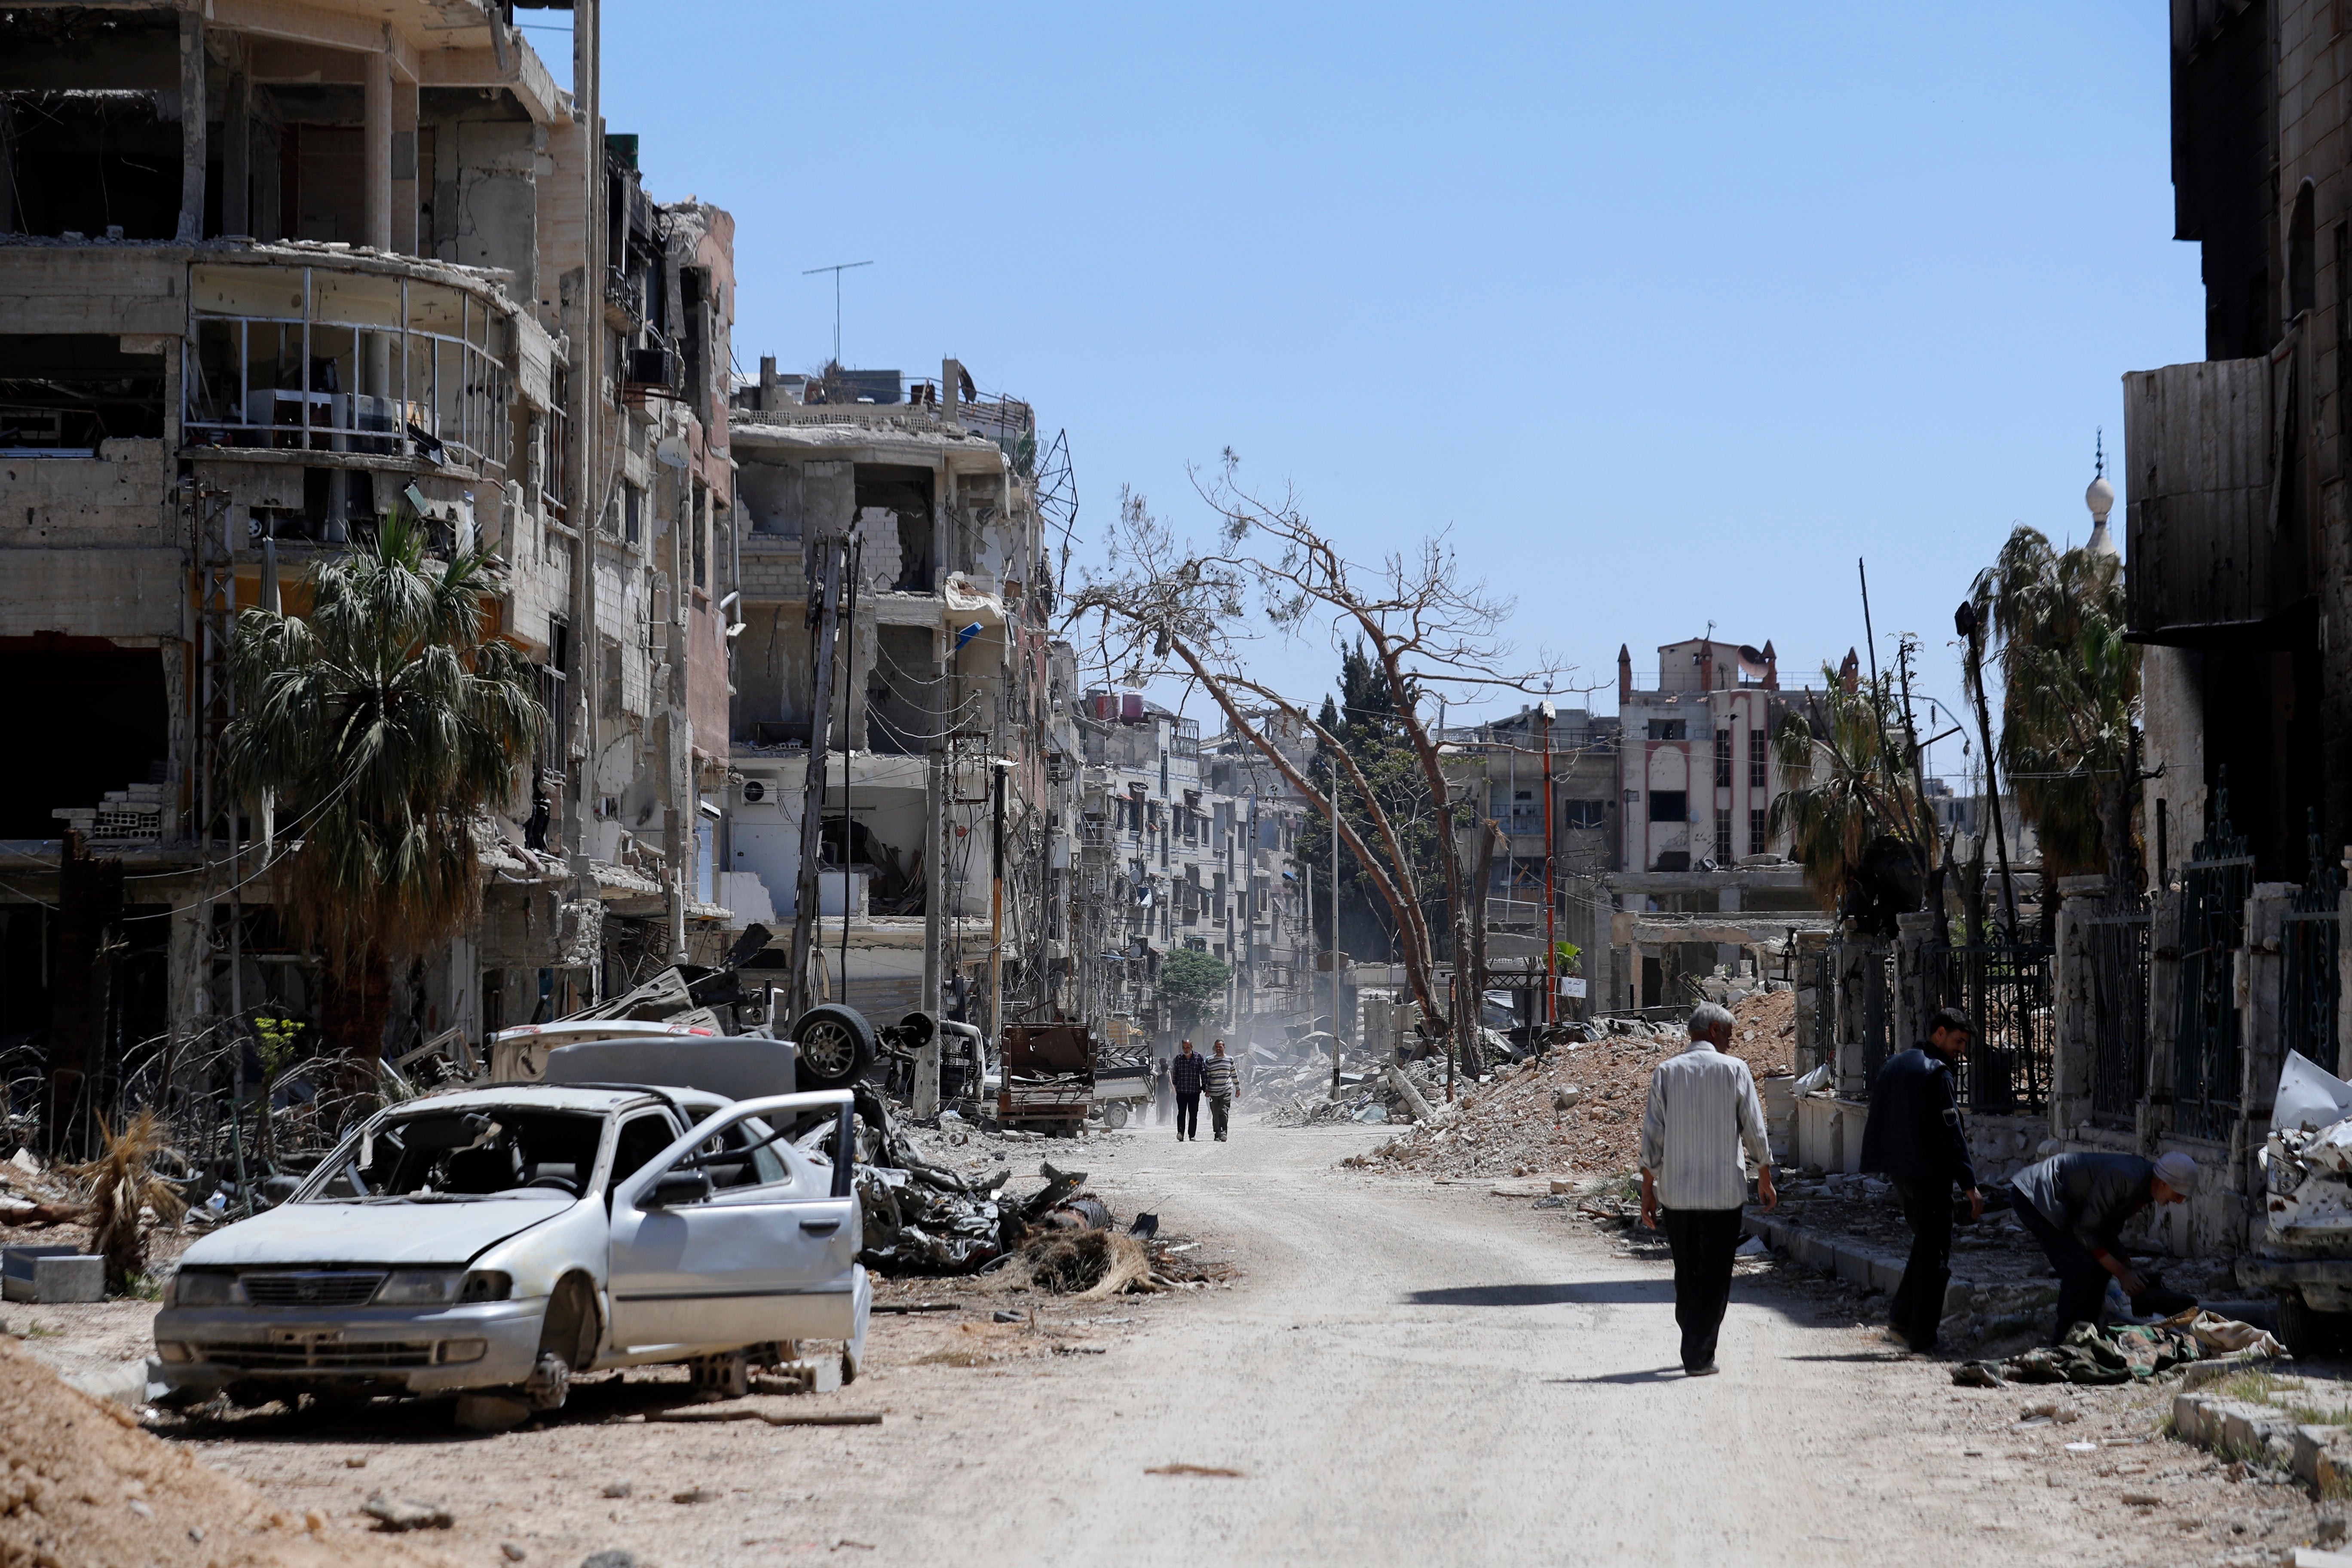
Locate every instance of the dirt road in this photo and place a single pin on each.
(1403, 1372)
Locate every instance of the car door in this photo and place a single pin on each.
(736, 1265)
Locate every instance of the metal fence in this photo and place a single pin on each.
(2216, 882)
(2009, 993)
(2118, 951)
(1875, 1028)
(1824, 1040)
(2311, 943)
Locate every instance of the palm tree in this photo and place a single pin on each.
(2070, 694)
(1851, 810)
(382, 726)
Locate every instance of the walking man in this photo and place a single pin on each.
(1184, 1072)
(1703, 1112)
(1162, 1100)
(1222, 1078)
(2076, 1206)
(1915, 1137)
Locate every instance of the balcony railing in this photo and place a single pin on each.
(329, 361)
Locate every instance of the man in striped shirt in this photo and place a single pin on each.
(1220, 1080)
(1703, 1111)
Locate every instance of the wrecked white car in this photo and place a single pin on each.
(503, 1239)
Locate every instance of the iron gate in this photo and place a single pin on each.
(2118, 944)
(2215, 882)
(1877, 1009)
(2311, 939)
(2009, 994)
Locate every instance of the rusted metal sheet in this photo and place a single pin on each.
(2199, 454)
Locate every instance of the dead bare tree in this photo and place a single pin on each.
(1162, 606)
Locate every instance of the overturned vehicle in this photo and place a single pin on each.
(499, 1240)
(2302, 1252)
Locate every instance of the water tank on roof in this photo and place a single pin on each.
(1130, 707)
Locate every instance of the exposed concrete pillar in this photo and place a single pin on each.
(192, 126)
(236, 154)
(375, 155)
(405, 175)
(1913, 991)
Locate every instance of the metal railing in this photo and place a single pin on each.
(2009, 994)
(396, 368)
(2117, 945)
(2215, 883)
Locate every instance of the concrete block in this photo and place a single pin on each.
(1853, 1265)
(51, 1274)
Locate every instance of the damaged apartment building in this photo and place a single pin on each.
(1178, 844)
(267, 273)
(892, 557)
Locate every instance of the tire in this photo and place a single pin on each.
(1114, 1114)
(2306, 1330)
(834, 1046)
(549, 1383)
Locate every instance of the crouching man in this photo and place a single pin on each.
(2076, 1206)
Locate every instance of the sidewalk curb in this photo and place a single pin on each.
(1857, 1266)
(2320, 1455)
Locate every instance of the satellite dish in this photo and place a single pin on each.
(671, 453)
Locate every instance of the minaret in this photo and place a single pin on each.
(2100, 498)
(1624, 673)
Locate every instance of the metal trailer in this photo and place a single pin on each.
(1048, 1076)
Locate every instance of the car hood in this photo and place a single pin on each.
(374, 1233)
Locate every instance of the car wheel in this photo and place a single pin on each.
(2306, 1330)
(1114, 1115)
(549, 1383)
(834, 1046)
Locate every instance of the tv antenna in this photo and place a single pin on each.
(836, 269)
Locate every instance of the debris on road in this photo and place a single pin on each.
(82, 1487)
(1193, 1470)
(395, 1516)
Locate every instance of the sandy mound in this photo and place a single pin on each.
(82, 1487)
(1515, 1125)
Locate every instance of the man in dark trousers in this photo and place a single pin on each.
(1703, 1113)
(1184, 1072)
(2076, 1206)
(1220, 1080)
(1915, 1137)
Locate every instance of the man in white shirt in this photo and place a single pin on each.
(1703, 1111)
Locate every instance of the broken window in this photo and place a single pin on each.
(97, 718)
(61, 394)
(632, 509)
(1669, 805)
(1584, 814)
(701, 528)
(902, 494)
(93, 161)
(1723, 836)
(1760, 761)
(1723, 759)
(1760, 841)
(609, 698)
(554, 679)
(1669, 729)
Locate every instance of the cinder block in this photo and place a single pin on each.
(51, 1274)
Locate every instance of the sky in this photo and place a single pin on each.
(1665, 315)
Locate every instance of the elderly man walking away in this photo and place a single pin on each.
(2076, 1206)
(1222, 1079)
(1703, 1112)
(1184, 1072)
(1915, 1137)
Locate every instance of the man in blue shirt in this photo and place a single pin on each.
(1915, 1136)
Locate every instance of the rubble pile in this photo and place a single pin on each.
(1576, 1107)
(82, 1487)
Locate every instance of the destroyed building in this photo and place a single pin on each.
(273, 273)
(935, 794)
(1182, 847)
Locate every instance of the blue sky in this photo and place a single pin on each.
(1668, 313)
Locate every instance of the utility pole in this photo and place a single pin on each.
(855, 553)
(1335, 923)
(996, 899)
(1544, 712)
(827, 613)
